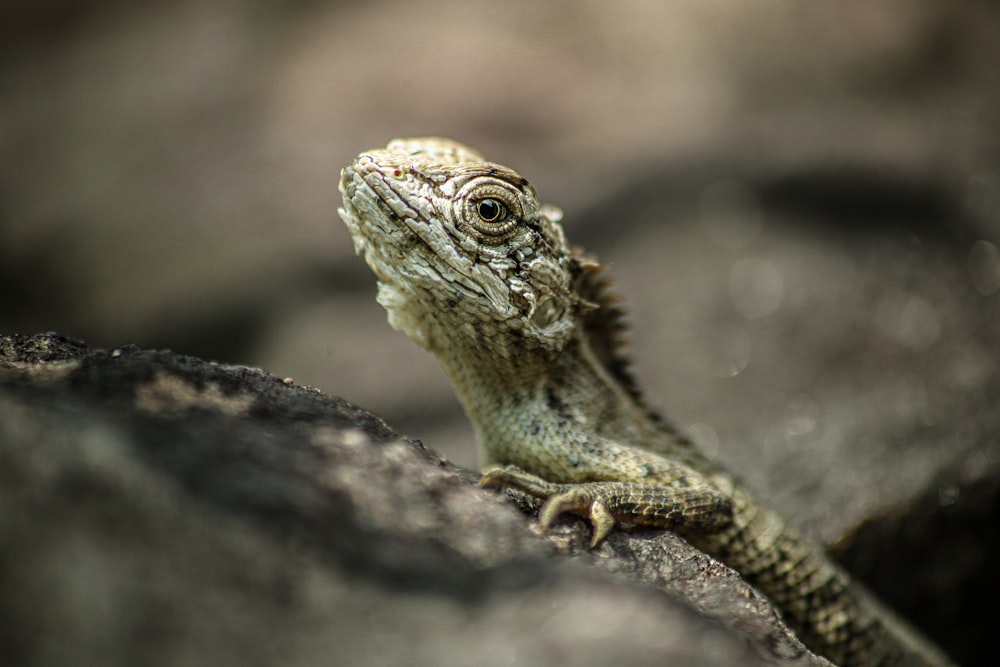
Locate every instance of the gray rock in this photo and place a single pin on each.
(158, 509)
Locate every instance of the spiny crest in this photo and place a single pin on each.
(604, 319)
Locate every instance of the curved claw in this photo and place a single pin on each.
(570, 501)
(602, 521)
(579, 501)
(493, 478)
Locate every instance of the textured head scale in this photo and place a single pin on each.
(461, 243)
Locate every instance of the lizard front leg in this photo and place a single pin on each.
(682, 508)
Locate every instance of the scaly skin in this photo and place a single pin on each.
(474, 269)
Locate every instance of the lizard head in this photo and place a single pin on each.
(462, 249)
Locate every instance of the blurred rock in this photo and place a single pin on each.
(158, 509)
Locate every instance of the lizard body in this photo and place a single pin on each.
(474, 269)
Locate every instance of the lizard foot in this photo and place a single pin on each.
(691, 509)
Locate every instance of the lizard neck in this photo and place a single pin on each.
(563, 398)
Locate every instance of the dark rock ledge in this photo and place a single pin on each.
(158, 509)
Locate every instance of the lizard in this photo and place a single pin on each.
(472, 267)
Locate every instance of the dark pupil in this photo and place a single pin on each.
(490, 210)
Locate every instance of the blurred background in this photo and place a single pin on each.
(800, 201)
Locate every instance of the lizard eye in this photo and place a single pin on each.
(490, 210)
(492, 216)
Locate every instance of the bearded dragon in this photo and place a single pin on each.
(473, 268)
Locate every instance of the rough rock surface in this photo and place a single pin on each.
(160, 509)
